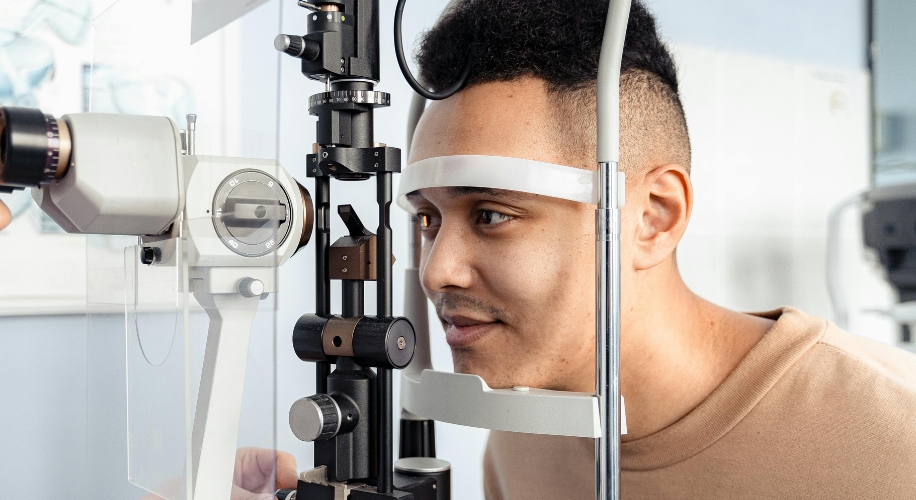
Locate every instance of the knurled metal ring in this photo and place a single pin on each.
(370, 97)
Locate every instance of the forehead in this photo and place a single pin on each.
(513, 119)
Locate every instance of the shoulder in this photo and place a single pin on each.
(866, 362)
(842, 359)
(856, 390)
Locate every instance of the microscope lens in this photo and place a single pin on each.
(34, 147)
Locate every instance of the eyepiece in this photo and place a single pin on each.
(34, 148)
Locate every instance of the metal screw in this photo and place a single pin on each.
(376, 165)
(329, 17)
(376, 153)
(314, 160)
(402, 343)
(324, 155)
(344, 257)
(342, 60)
(344, 269)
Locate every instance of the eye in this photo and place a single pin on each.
(427, 221)
(492, 217)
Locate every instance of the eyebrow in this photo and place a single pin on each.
(456, 191)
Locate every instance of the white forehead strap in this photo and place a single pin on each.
(498, 172)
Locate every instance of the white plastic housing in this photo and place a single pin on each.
(205, 174)
(124, 176)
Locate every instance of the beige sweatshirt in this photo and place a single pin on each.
(812, 412)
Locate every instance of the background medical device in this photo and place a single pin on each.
(888, 222)
(889, 228)
(228, 221)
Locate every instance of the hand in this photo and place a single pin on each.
(5, 216)
(254, 469)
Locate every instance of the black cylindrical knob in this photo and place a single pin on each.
(307, 340)
(418, 438)
(315, 417)
(297, 46)
(384, 342)
(426, 467)
(285, 494)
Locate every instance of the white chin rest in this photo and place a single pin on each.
(499, 172)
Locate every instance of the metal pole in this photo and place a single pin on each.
(608, 333)
(608, 251)
(384, 297)
(322, 276)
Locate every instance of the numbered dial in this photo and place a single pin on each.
(252, 213)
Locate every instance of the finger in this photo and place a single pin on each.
(242, 494)
(287, 474)
(5, 216)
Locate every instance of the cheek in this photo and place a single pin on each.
(541, 275)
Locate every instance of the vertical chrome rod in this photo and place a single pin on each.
(607, 255)
(608, 332)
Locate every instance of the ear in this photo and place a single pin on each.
(665, 210)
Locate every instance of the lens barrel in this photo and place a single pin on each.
(34, 148)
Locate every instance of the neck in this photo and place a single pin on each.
(676, 349)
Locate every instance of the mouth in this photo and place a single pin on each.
(462, 331)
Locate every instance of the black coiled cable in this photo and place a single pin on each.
(405, 70)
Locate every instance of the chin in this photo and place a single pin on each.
(495, 372)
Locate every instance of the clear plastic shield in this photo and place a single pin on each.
(199, 321)
(194, 308)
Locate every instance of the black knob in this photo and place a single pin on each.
(297, 46)
(150, 255)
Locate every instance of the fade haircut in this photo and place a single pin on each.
(559, 42)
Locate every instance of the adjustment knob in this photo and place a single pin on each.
(315, 417)
(297, 46)
(250, 287)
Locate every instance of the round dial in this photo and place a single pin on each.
(315, 417)
(252, 213)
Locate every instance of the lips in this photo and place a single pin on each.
(462, 331)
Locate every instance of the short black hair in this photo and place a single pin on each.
(558, 41)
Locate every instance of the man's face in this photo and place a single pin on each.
(512, 275)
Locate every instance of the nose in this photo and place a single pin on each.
(447, 261)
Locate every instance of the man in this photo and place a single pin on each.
(719, 404)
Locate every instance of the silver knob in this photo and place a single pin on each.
(315, 417)
(250, 287)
